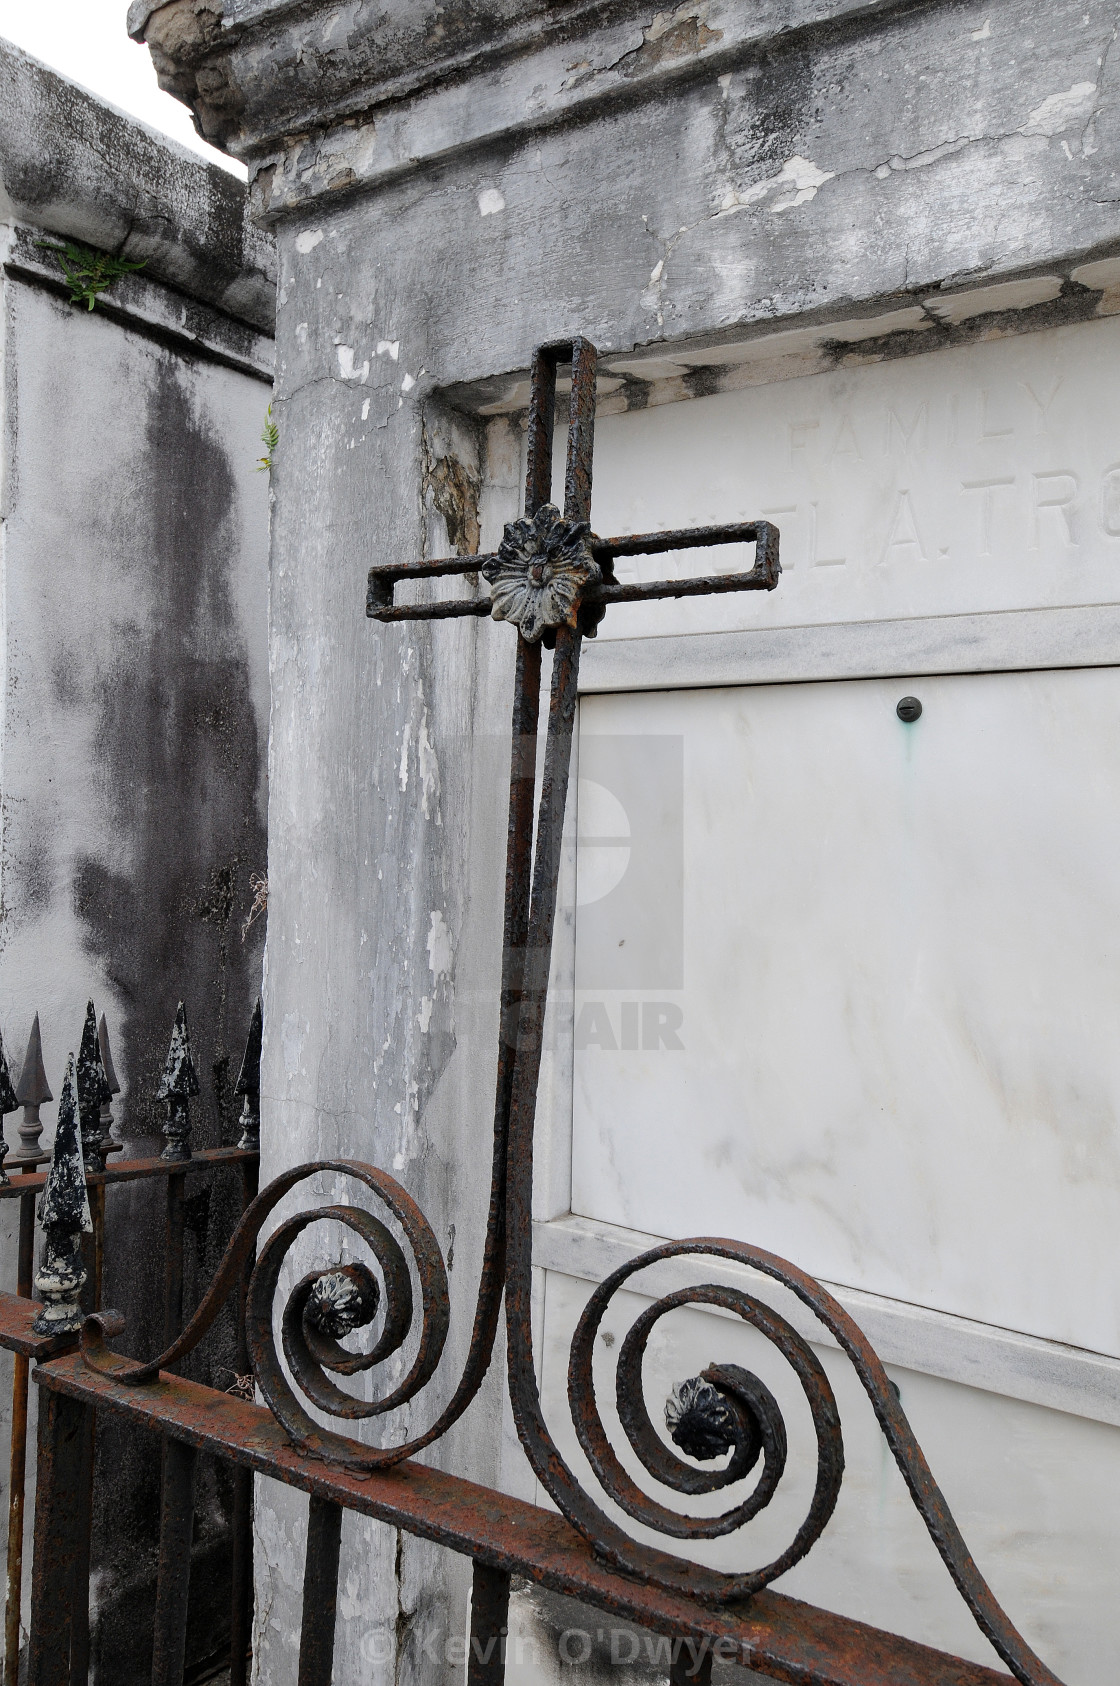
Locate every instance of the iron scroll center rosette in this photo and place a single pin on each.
(541, 576)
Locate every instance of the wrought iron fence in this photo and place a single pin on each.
(68, 1200)
(553, 579)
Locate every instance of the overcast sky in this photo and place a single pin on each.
(86, 40)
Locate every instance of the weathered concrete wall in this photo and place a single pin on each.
(447, 193)
(72, 164)
(135, 698)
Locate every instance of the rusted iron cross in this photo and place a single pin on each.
(551, 570)
(553, 578)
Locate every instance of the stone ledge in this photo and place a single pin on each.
(257, 71)
(76, 168)
(909, 1337)
(149, 307)
(992, 641)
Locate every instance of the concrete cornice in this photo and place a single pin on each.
(75, 167)
(334, 95)
(149, 307)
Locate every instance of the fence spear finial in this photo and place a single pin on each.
(110, 1138)
(93, 1092)
(8, 1103)
(64, 1214)
(31, 1091)
(249, 1083)
(178, 1083)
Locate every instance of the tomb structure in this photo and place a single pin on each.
(857, 271)
(134, 680)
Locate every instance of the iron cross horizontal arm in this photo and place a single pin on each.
(551, 571)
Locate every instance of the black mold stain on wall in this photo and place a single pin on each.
(181, 765)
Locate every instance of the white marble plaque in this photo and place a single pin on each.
(893, 1050)
(953, 482)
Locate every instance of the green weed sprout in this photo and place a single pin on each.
(88, 272)
(270, 438)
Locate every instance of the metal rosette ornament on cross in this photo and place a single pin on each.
(541, 574)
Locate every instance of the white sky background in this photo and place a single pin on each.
(86, 40)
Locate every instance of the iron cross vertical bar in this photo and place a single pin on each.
(519, 835)
(553, 578)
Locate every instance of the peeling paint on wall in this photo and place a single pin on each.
(454, 490)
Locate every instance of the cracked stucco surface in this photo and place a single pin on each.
(930, 148)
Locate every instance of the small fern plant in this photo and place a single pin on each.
(270, 438)
(89, 273)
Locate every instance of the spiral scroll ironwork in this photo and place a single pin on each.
(755, 1422)
(326, 1304)
(323, 1308)
(748, 1424)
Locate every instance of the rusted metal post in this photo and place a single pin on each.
(691, 1664)
(25, 1257)
(176, 1525)
(17, 1487)
(241, 1577)
(17, 1473)
(241, 1540)
(79, 1628)
(486, 1659)
(61, 1524)
(320, 1592)
(17, 1465)
(241, 1543)
(97, 1211)
(173, 1259)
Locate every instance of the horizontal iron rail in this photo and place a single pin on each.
(134, 1170)
(781, 1637)
(16, 1334)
